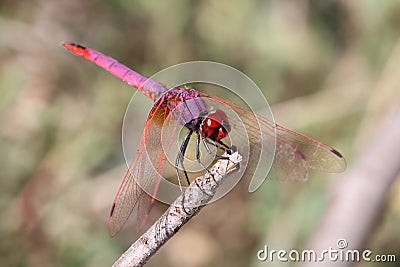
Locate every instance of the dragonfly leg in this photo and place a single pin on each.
(198, 157)
(228, 149)
(220, 145)
(180, 158)
(205, 143)
(177, 172)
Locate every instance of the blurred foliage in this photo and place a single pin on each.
(329, 68)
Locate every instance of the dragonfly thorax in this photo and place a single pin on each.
(186, 106)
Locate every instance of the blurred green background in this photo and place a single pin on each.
(328, 68)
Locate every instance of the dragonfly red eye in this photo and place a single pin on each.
(215, 126)
(221, 133)
(211, 123)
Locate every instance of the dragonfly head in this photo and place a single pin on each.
(215, 126)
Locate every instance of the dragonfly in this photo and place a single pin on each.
(295, 154)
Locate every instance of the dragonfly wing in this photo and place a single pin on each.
(157, 152)
(140, 183)
(317, 155)
(295, 153)
(128, 194)
(253, 135)
(288, 164)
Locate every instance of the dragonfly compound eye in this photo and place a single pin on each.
(222, 132)
(215, 126)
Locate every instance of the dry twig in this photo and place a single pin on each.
(187, 205)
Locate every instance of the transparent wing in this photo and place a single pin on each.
(140, 183)
(165, 136)
(317, 155)
(295, 153)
